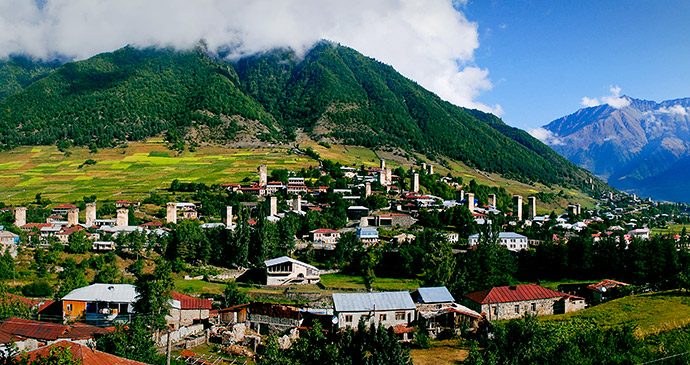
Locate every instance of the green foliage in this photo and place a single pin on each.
(153, 298)
(38, 289)
(11, 306)
(57, 356)
(78, 243)
(133, 341)
(72, 276)
(232, 295)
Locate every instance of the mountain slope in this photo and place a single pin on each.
(636, 148)
(332, 93)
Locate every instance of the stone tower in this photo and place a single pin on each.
(367, 190)
(273, 208)
(389, 176)
(19, 216)
(297, 203)
(73, 217)
(531, 207)
(470, 202)
(424, 166)
(122, 217)
(263, 175)
(90, 214)
(383, 164)
(415, 182)
(492, 200)
(382, 177)
(517, 207)
(171, 214)
(431, 169)
(228, 216)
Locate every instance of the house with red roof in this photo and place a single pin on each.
(86, 354)
(186, 310)
(29, 334)
(515, 301)
(325, 235)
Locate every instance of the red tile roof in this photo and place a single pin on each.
(37, 225)
(65, 206)
(187, 302)
(516, 293)
(48, 331)
(324, 230)
(39, 303)
(87, 355)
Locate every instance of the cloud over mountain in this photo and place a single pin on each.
(430, 42)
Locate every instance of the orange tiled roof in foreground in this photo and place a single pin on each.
(85, 354)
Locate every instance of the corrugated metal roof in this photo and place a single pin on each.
(87, 355)
(439, 294)
(517, 293)
(187, 302)
(362, 302)
(48, 331)
(117, 293)
(283, 259)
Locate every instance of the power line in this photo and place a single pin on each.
(664, 358)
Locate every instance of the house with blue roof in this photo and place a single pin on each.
(390, 309)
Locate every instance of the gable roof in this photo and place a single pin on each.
(48, 331)
(439, 294)
(605, 285)
(517, 293)
(118, 293)
(187, 302)
(283, 259)
(87, 355)
(363, 302)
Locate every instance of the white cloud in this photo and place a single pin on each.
(673, 110)
(430, 42)
(614, 100)
(546, 136)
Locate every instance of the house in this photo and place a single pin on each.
(103, 246)
(32, 334)
(641, 233)
(273, 318)
(234, 314)
(511, 240)
(85, 354)
(186, 310)
(296, 188)
(325, 235)
(604, 290)
(390, 309)
(433, 297)
(357, 211)
(453, 318)
(387, 220)
(286, 270)
(8, 243)
(508, 302)
(368, 235)
(63, 209)
(100, 303)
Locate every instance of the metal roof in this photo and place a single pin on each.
(503, 235)
(516, 293)
(363, 302)
(114, 293)
(439, 294)
(283, 259)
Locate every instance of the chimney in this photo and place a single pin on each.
(470, 201)
(90, 214)
(263, 175)
(492, 200)
(367, 190)
(297, 203)
(171, 215)
(415, 182)
(228, 216)
(19, 216)
(532, 207)
(273, 208)
(73, 217)
(517, 207)
(122, 217)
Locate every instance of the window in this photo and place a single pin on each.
(69, 307)
(495, 310)
(382, 317)
(534, 307)
(348, 318)
(517, 308)
(399, 316)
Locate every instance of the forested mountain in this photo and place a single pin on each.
(332, 92)
(643, 147)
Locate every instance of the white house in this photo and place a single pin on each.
(389, 309)
(513, 241)
(8, 242)
(368, 235)
(325, 235)
(286, 270)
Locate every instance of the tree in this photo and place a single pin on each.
(58, 355)
(232, 295)
(73, 276)
(78, 243)
(133, 341)
(153, 294)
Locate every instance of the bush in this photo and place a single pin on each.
(38, 289)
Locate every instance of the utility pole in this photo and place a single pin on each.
(167, 357)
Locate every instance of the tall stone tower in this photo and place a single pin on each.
(367, 190)
(572, 209)
(492, 200)
(382, 177)
(424, 166)
(273, 208)
(73, 217)
(531, 207)
(517, 207)
(470, 201)
(19, 216)
(263, 175)
(431, 169)
(90, 214)
(122, 217)
(389, 176)
(171, 214)
(383, 164)
(228, 216)
(415, 182)
(297, 203)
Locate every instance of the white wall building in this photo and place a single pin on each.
(513, 241)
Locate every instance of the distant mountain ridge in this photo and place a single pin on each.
(641, 147)
(332, 93)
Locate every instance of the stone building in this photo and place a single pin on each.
(508, 302)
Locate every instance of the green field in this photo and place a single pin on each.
(671, 229)
(135, 169)
(346, 282)
(650, 313)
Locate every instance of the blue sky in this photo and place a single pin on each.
(543, 57)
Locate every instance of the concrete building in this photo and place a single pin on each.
(263, 175)
(286, 270)
(511, 240)
(73, 217)
(171, 213)
(19, 216)
(90, 214)
(390, 309)
(508, 302)
(324, 235)
(517, 207)
(122, 217)
(415, 182)
(531, 207)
